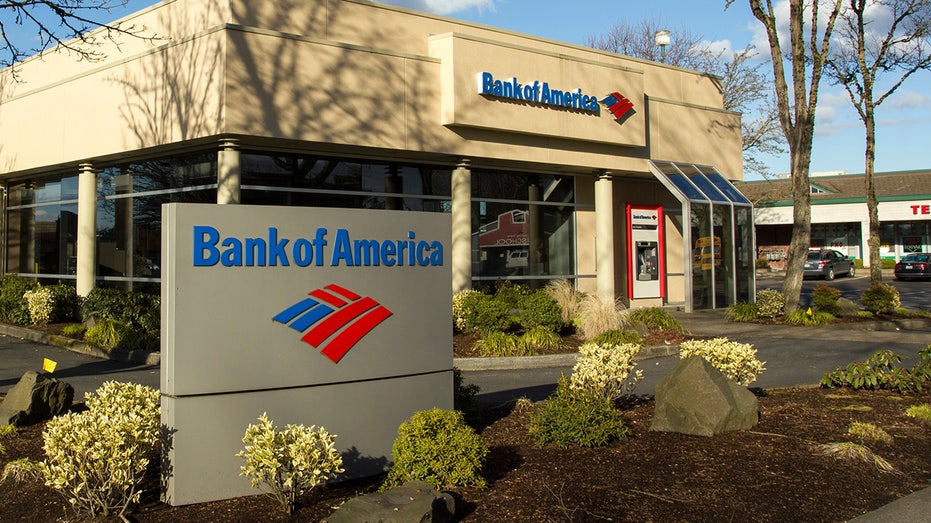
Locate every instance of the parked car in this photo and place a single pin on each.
(915, 265)
(828, 263)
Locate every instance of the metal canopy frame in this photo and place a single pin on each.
(704, 185)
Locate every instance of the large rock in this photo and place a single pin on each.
(696, 398)
(412, 502)
(34, 399)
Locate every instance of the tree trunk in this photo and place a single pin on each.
(872, 205)
(801, 229)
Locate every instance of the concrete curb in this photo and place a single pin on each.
(135, 356)
(466, 364)
(548, 360)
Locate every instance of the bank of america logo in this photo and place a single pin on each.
(336, 317)
(618, 104)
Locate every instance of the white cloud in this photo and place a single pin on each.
(909, 100)
(444, 7)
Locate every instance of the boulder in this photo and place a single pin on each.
(847, 307)
(696, 398)
(412, 502)
(34, 399)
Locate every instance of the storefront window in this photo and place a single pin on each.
(706, 249)
(129, 214)
(42, 228)
(309, 181)
(522, 227)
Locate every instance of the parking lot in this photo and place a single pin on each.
(915, 294)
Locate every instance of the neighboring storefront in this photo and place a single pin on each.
(544, 153)
(839, 217)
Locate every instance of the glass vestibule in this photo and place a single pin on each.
(719, 236)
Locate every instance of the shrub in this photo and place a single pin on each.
(824, 299)
(502, 344)
(879, 372)
(436, 446)
(868, 432)
(13, 306)
(39, 303)
(606, 370)
(484, 314)
(887, 263)
(52, 304)
(742, 312)
(599, 315)
(771, 302)
(74, 330)
(881, 298)
(762, 263)
(107, 334)
(139, 311)
(290, 462)
(922, 413)
(809, 317)
(566, 296)
(6, 431)
(540, 338)
(656, 319)
(97, 457)
(735, 360)
(576, 417)
(509, 293)
(461, 301)
(617, 337)
(539, 309)
(464, 398)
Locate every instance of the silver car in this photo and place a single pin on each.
(828, 263)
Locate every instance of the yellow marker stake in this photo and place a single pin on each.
(48, 365)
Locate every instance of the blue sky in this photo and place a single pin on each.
(904, 120)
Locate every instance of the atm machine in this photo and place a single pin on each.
(646, 256)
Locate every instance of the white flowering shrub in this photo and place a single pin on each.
(97, 458)
(459, 310)
(606, 370)
(771, 303)
(290, 462)
(40, 305)
(735, 360)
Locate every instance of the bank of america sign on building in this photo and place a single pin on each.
(331, 317)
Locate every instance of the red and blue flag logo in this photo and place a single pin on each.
(617, 104)
(334, 318)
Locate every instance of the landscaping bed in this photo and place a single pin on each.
(770, 473)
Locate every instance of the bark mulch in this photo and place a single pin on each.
(773, 472)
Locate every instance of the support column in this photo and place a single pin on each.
(87, 230)
(461, 256)
(604, 236)
(229, 172)
(865, 244)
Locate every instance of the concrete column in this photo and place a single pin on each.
(229, 172)
(461, 257)
(865, 243)
(604, 236)
(87, 230)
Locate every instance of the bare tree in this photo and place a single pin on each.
(65, 24)
(808, 49)
(866, 54)
(745, 88)
(638, 40)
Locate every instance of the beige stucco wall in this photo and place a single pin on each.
(346, 72)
